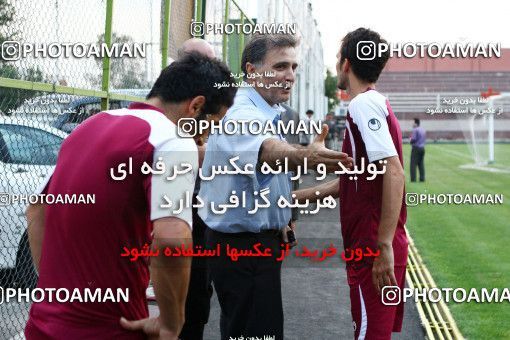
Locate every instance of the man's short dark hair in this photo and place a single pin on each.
(195, 75)
(417, 121)
(366, 70)
(256, 50)
(309, 112)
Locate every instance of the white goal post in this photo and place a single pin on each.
(490, 103)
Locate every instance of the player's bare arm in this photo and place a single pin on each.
(330, 188)
(170, 277)
(392, 193)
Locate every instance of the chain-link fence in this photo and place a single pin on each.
(64, 60)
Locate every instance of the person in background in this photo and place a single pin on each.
(330, 122)
(418, 138)
(292, 138)
(198, 301)
(306, 138)
(287, 116)
(196, 45)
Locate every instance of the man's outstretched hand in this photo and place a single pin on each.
(328, 157)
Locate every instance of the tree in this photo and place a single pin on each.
(330, 89)
(125, 73)
(6, 17)
(11, 97)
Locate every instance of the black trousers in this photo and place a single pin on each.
(417, 156)
(198, 301)
(249, 289)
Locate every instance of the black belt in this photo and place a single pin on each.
(275, 232)
(269, 232)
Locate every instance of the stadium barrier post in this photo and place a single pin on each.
(105, 83)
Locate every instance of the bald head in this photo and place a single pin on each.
(196, 45)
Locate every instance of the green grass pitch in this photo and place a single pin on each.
(465, 245)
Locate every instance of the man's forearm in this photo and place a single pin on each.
(298, 146)
(36, 225)
(392, 194)
(273, 150)
(412, 139)
(170, 277)
(330, 188)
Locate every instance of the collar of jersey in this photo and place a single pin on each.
(143, 106)
(257, 100)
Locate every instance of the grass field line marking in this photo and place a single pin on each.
(456, 153)
(473, 166)
(435, 318)
(423, 319)
(429, 315)
(485, 168)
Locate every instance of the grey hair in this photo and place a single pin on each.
(181, 53)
